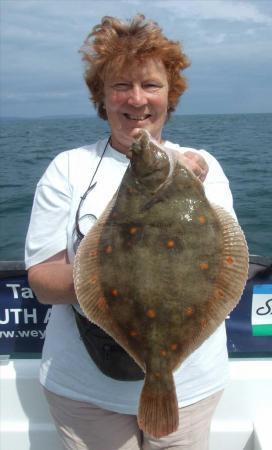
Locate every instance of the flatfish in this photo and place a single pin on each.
(159, 271)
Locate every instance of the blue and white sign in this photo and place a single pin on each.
(23, 319)
(261, 314)
(249, 324)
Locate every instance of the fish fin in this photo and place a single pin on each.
(86, 271)
(88, 285)
(235, 260)
(158, 410)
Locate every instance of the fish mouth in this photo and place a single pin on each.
(139, 118)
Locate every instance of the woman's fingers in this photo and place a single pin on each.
(197, 164)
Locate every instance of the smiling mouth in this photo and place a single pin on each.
(137, 118)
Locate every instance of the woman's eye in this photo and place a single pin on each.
(152, 86)
(125, 86)
(121, 86)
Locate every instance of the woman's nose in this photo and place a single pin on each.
(137, 96)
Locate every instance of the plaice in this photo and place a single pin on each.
(159, 272)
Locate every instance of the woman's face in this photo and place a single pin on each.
(136, 98)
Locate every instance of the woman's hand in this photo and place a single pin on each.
(52, 280)
(196, 163)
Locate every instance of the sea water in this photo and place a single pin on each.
(241, 143)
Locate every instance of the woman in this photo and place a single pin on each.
(134, 74)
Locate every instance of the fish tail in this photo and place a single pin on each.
(158, 410)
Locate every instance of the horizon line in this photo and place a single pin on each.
(61, 116)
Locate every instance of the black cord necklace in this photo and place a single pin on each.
(77, 230)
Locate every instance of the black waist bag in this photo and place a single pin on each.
(109, 357)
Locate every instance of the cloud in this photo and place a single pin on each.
(225, 10)
(229, 43)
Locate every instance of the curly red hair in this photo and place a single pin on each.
(114, 45)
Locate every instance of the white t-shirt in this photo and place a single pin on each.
(66, 367)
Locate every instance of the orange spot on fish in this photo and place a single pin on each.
(102, 304)
(151, 313)
(202, 220)
(157, 375)
(93, 253)
(130, 190)
(230, 260)
(133, 230)
(108, 249)
(170, 243)
(133, 333)
(94, 279)
(163, 352)
(189, 311)
(219, 293)
(114, 292)
(174, 347)
(204, 265)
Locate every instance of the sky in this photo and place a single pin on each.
(229, 44)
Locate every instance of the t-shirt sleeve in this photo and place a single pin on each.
(47, 232)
